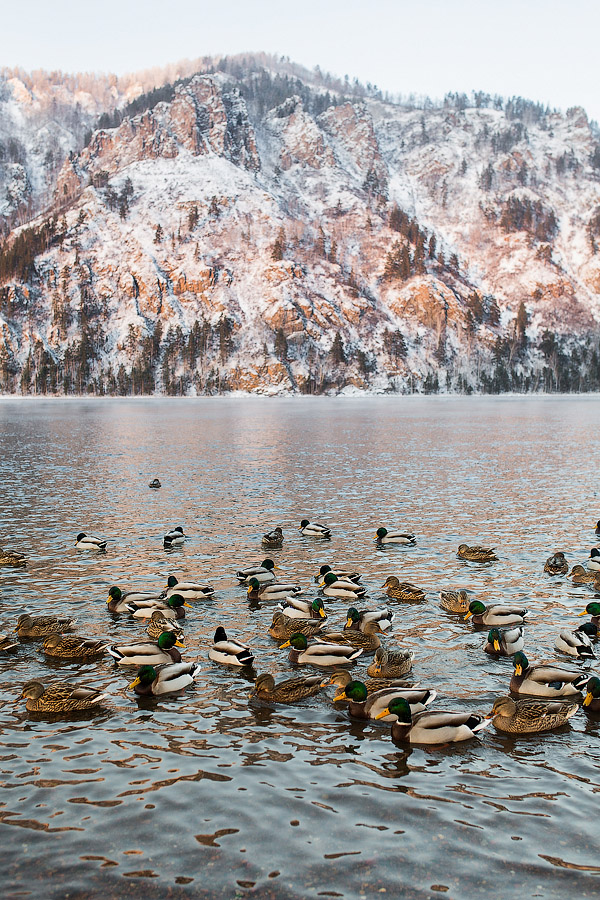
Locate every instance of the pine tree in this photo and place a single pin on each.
(278, 248)
(158, 234)
(281, 344)
(192, 218)
(337, 350)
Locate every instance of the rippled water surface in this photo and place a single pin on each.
(207, 795)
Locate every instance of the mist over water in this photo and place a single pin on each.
(207, 795)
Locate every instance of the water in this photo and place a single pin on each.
(207, 795)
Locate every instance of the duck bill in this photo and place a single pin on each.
(283, 646)
(135, 683)
(588, 699)
(518, 670)
(497, 646)
(341, 696)
(250, 589)
(489, 715)
(109, 599)
(322, 613)
(348, 623)
(584, 613)
(179, 644)
(385, 712)
(189, 605)
(468, 616)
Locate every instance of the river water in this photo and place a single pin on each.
(208, 795)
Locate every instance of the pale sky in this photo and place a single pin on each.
(545, 50)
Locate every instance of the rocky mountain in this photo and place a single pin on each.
(258, 227)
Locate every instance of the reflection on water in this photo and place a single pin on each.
(208, 795)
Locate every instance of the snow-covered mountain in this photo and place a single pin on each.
(259, 227)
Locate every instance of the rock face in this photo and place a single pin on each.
(229, 237)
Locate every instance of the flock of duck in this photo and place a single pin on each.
(543, 696)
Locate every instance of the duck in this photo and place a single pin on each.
(593, 610)
(320, 654)
(597, 528)
(118, 600)
(363, 705)
(60, 698)
(476, 553)
(273, 540)
(283, 627)
(496, 614)
(228, 651)
(342, 574)
(341, 677)
(357, 619)
(85, 541)
(402, 590)
(174, 538)
(41, 626)
(506, 642)
(148, 653)
(545, 679)
(12, 558)
(313, 529)
(383, 536)
(556, 564)
(594, 560)
(348, 590)
(159, 623)
(443, 727)
(591, 701)
(155, 483)
(7, 643)
(577, 643)
(164, 679)
(189, 590)
(275, 590)
(294, 608)
(580, 576)
(368, 639)
(291, 690)
(391, 663)
(172, 608)
(527, 716)
(66, 646)
(454, 601)
(263, 573)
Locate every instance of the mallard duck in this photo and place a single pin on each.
(320, 654)
(276, 590)
(391, 663)
(476, 553)
(529, 716)
(577, 643)
(402, 590)
(174, 538)
(273, 540)
(368, 639)
(7, 643)
(66, 646)
(148, 653)
(289, 691)
(294, 608)
(556, 564)
(580, 576)
(343, 574)
(357, 619)
(58, 698)
(383, 536)
(172, 608)
(164, 679)
(155, 483)
(12, 558)
(454, 601)
(159, 623)
(495, 614)
(441, 727)
(363, 705)
(313, 529)
(506, 642)
(333, 587)
(118, 600)
(591, 700)
(85, 541)
(342, 677)
(42, 626)
(594, 560)
(263, 573)
(593, 610)
(283, 627)
(189, 590)
(545, 680)
(228, 651)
